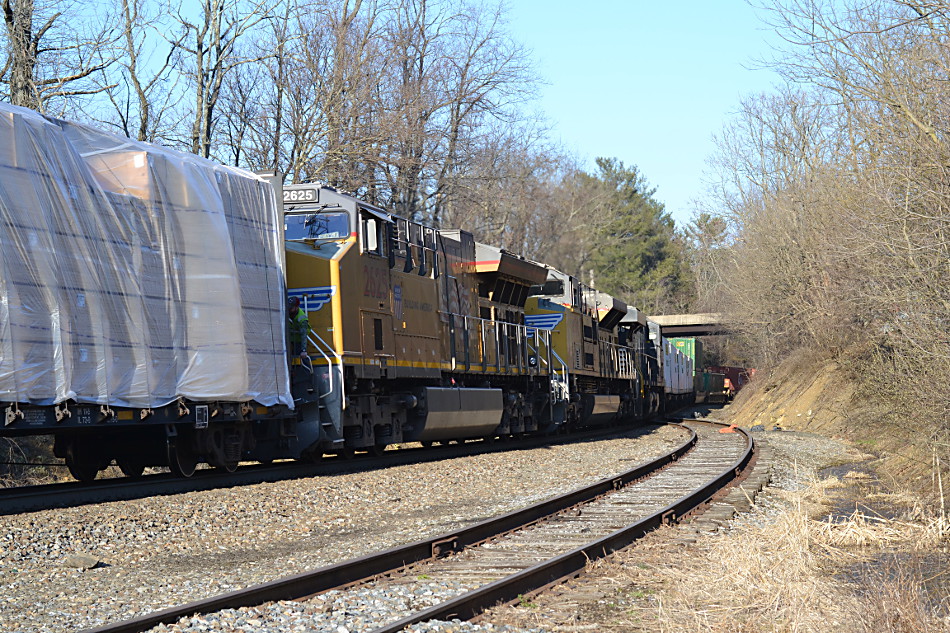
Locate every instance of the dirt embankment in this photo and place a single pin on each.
(807, 393)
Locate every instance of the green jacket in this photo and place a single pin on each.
(298, 327)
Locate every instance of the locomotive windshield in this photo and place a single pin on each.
(316, 226)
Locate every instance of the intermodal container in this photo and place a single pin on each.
(692, 347)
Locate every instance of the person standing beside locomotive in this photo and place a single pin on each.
(298, 328)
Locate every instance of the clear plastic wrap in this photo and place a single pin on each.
(131, 274)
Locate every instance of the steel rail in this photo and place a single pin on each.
(360, 569)
(534, 579)
(74, 493)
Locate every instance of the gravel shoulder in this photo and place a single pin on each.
(163, 551)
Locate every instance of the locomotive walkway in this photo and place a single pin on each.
(497, 560)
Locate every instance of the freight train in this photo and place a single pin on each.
(144, 318)
(710, 385)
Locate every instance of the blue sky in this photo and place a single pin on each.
(645, 81)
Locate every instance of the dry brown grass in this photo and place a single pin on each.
(17, 456)
(781, 576)
(756, 578)
(894, 598)
(862, 530)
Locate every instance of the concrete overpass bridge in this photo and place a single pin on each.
(691, 324)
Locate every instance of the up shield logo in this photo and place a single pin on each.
(312, 299)
(543, 321)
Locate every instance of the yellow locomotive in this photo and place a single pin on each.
(420, 334)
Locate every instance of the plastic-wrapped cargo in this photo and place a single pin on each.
(132, 274)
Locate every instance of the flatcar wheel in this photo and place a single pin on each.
(182, 459)
(131, 466)
(82, 465)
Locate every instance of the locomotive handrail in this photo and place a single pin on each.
(622, 359)
(563, 374)
(339, 361)
(468, 324)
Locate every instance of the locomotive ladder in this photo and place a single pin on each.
(560, 386)
(333, 379)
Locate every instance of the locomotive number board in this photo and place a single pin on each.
(300, 195)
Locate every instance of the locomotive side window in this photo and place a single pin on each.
(416, 245)
(370, 235)
(316, 226)
(400, 244)
(378, 334)
(418, 248)
(554, 287)
(374, 235)
(431, 244)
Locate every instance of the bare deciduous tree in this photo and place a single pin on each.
(838, 194)
(140, 86)
(210, 47)
(52, 51)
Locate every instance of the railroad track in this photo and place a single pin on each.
(74, 493)
(459, 575)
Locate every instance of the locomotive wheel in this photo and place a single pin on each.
(83, 465)
(182, 459)
(377, 450)
(426, 444)
(131, 466)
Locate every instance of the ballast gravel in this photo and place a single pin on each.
(335, 612)
(165, 551)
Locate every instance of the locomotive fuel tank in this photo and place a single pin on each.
(456, 413)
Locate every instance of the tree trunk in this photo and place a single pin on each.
(19, 21)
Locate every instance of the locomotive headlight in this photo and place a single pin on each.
(533, 361)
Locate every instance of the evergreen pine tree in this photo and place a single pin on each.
(637, 257)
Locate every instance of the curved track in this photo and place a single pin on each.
(509, 556)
